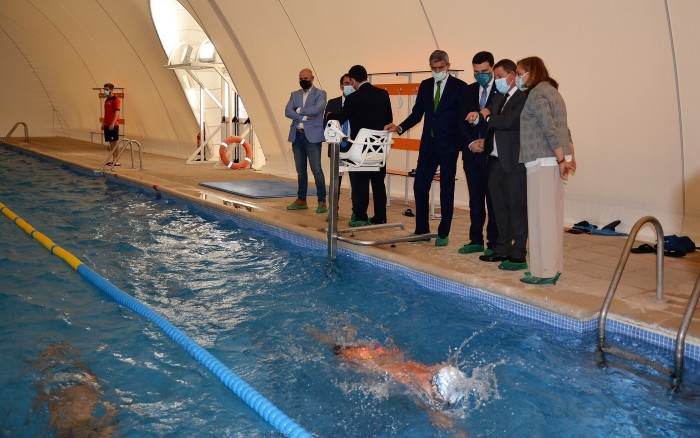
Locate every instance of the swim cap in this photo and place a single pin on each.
(450, 384)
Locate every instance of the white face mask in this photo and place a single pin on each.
(348, 90)
(440, 76)
(520, 83)
(502, 85)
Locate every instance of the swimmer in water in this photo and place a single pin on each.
(442, 385)
(72, 393)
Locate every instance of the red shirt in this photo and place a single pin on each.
(112, 104)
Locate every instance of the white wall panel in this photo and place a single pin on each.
(614, 62)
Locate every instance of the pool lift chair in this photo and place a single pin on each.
(367, 153)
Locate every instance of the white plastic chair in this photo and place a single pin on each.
(368, 151)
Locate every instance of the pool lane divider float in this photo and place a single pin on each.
(268, 411)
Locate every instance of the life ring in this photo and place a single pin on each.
(223, 148)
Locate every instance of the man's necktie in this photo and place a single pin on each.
(484, 98)
(492, 132)
(436, 100)
(500, 107)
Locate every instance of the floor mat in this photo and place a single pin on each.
(260, 188)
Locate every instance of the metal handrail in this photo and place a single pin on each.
(683, 331)
(127, 144)
(26, 132)
(621, 266)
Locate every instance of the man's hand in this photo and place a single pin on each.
(477, 146)
(391, 128)
(472, 116)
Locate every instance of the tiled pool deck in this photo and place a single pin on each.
(572, 304)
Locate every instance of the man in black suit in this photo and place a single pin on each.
(438, 104)
(507, 178)
(368, 107)
(478, 96)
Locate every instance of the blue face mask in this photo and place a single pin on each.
(106, 92)
(440, 76)
(502, 85)
(348, 90)
(520, 83)
(483, 78)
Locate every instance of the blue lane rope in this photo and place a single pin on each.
(256, 401)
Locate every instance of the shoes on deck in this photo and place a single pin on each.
(442, 241)
(471, 248)
(354, 223)
(322, 208)
(530, 279)
(512, 264)
(297, 205)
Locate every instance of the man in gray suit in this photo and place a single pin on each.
(507, 181)
(305, 108)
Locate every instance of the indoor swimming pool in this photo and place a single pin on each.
(257, 301)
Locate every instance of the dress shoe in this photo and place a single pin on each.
(376, 221)
(492, 258)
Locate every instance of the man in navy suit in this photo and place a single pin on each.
(475, 167)
(305, 108)
(368, 107)
(438, 104)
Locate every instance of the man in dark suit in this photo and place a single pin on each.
(507, 179)
(438, 104)
(368, 107)
(478, 96)
(335, 105)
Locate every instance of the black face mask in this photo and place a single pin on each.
(305, 85)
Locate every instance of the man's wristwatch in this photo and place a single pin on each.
(400, 130)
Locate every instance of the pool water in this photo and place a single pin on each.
(251, 299)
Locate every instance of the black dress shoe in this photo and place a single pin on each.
(492, 258)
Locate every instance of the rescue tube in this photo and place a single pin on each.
(223, 148)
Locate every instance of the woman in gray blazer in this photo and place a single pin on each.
(547, 150)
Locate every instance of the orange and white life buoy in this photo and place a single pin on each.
(223, 149)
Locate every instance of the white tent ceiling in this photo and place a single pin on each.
(625, 68)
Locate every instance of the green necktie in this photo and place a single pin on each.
(436, 100)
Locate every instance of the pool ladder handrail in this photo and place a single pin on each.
(26, 132)
(128, 144)
(687, 317)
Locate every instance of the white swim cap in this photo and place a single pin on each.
(450, 384)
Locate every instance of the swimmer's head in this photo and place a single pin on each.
(450, 385)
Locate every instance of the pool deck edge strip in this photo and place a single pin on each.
(250, 396)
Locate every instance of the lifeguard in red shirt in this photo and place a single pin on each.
(110, 123)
